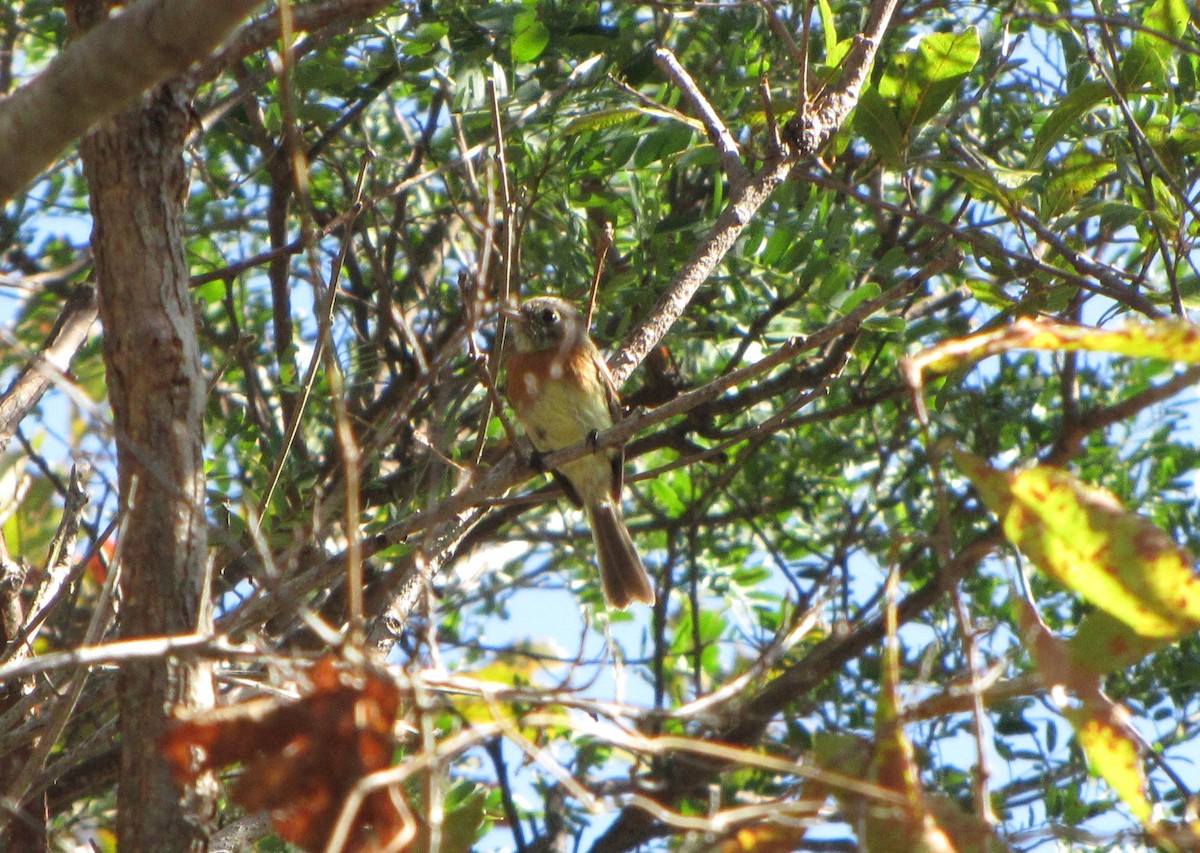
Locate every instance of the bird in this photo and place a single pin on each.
(562, 392)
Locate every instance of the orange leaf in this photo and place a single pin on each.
(301, 757)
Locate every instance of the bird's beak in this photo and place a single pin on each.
(511, 312)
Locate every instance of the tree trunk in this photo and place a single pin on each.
(138, 183)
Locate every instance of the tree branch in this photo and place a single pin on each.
(101, 73)
(65, 339)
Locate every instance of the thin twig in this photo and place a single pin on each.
(979, 718)
(774, 138)
(47, 599)
(724, 701)
(64, 705)
(595, 288)
(495, 750)
(123, 651)
(490, 374)
(797, 54)
(718, 134)
(351, 455)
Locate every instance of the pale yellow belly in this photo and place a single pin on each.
(559, 416)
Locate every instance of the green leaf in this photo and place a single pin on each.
(941, 63)
(666, 499)
(1114, 214)
(836, 55)
(1169, 17)
(913, 89)
(1103, 644)
(780, 241)
(426, 38)
(877, 122)
(994, 182)
(462, 823)
(1150, 52)
(828, 30)
(661, 144)
(529, 42)
(1142, 65)
(847, 301)
(460, 826)
(885, 325)
(990, 292)
(849, 754)
(1187, 77)
(1072, 179)
(601, 119)
(1078, 103)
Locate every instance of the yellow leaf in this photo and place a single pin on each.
(1169, 340)
(1104, 644)
(1112, 754)
(767, 838)
(516, 670)
(892, 827)
(1082, 537)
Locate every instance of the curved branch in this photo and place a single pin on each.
(101, 73)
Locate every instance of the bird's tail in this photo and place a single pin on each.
(622, 574)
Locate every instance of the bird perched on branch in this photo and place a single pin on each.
(561, 389)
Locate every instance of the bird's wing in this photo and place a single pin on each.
(613, 398)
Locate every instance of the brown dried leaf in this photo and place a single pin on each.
(301, 757)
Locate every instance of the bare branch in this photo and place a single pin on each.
(68, 335)
(264, 33)
(103, 72)
(744, 202)
(820, 118)
(122, 651)
(718, 133)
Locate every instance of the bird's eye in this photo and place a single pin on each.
(549, 316)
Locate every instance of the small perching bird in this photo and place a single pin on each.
(563, 393)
